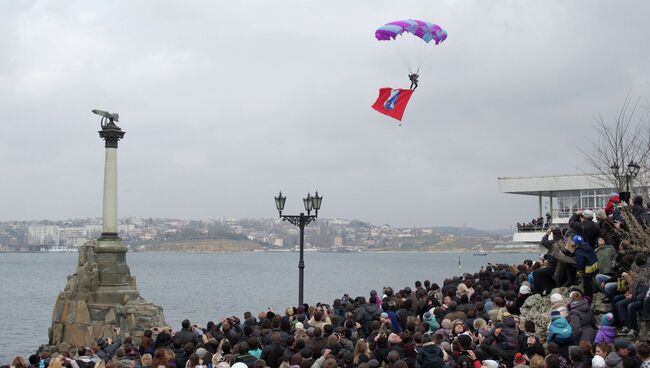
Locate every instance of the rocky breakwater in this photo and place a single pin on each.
(86, 309)
(538, 308)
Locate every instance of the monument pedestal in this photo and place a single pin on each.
(98, 297)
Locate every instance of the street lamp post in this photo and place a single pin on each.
(628, 175)
(302, 220)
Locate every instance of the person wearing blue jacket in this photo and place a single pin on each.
(559, 331)
(586, 264)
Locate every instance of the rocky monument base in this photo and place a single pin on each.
(96, 300)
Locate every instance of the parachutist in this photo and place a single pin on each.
(414, 80)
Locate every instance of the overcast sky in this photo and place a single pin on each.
(227, 102)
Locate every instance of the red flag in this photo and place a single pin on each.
(392, 102)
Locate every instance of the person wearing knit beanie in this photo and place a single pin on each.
(606, 332)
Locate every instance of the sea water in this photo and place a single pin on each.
(208, 286)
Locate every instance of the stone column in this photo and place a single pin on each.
(111, 253)
(111, 134)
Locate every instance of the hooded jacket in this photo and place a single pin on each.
(614, 360)
(430, 356)
(559, 331)
(605, 334)
(510, 334)
(366, 313)
(582, 321)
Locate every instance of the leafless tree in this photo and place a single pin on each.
(620, 141)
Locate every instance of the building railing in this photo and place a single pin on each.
(554, 217)
(567, 213)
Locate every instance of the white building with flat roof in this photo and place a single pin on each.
(563, 195)
(43, 235)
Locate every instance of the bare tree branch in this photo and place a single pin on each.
(623, 140)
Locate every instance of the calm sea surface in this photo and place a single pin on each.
(204, 287)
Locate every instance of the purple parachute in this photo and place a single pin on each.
(425, 30)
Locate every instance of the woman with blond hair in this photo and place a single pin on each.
(361, 352)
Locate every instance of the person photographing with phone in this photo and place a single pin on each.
(108, 348)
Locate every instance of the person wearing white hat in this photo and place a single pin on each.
(559, 304)
(489, 363)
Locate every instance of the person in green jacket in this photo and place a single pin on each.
(606, 255)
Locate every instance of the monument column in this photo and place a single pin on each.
(111, 253)
(111, 134)
(102, 295)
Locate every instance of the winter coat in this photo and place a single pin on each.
(582, 321)
(108, 351)
(272, 354)
(605, 334)
(606, 255)
(430, 356)
(614, 360)
(549, 244)
(586, 260)
(510, 334)
(589, 230)
(394, 322)
(183, 336)
(402, 317)
(559, 331)
(640, 290)
(640, 214)
(432, 323)
(366, 313)
(608, 233)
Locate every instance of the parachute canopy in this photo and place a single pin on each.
(424, 30)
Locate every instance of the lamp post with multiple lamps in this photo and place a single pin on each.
(628, 175)
(301, 220)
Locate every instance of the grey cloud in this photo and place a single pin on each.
(224, 103)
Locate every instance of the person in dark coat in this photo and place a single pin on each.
(607, 229)
(186, 334)
(582, 223)
(365, 313)
(430, 355)
(543, 280)
(639, 211)
(581, 318)
(107, 348)
(586, 264)
(272, 353)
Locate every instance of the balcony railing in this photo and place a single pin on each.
(557, 217)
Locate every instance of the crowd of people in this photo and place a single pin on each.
(470, 321)
(536, 224)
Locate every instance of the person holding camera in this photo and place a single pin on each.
(108, 348)
(186, 334)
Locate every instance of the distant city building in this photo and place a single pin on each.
(43, 235)
(72, 236)
(338, 241)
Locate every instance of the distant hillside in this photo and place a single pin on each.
(464, 231)
(203, 245)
